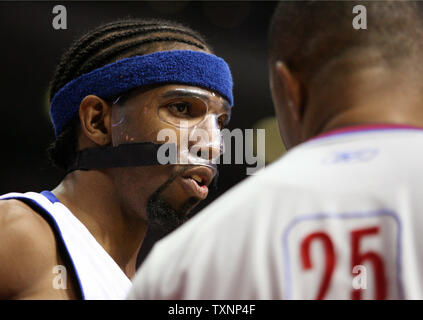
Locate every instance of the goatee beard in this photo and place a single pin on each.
(161, 216)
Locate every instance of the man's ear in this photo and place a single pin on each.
(95, 117)
(287, 89)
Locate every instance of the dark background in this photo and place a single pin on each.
(31, 48)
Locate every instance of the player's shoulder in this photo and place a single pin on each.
(21, 226)
(14, 212)
(28, 248)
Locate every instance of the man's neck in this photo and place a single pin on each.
(373, 95)
(89, 195)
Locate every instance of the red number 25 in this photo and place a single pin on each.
(357, 258)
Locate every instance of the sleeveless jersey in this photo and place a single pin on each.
(98, 275)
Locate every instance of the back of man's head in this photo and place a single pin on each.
(308, 35)
(328, 58)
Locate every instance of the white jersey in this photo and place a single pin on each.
(337, 217)
(98, 275)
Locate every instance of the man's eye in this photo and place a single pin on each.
(180, 108)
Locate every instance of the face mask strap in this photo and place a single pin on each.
(124, 155)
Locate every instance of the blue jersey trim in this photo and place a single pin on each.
(49, 195)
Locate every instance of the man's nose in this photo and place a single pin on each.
(206, 139)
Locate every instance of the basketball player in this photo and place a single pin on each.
(114, 93)
(340, 215)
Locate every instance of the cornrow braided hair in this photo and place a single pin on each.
(106, 44)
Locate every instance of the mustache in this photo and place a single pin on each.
(178, 173)
(175, 174)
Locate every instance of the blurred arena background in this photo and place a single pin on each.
(31, 48)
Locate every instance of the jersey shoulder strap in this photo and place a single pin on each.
(98, 276)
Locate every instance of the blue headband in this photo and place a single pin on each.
(178, 66)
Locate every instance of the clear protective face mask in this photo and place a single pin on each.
(185, 120)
